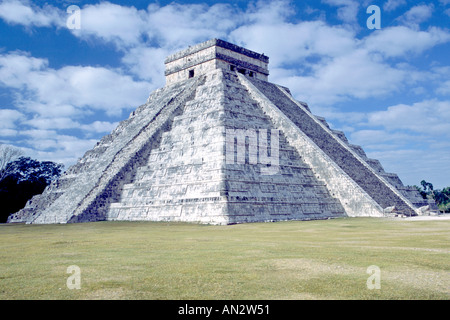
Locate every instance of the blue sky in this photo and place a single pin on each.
(388, 89)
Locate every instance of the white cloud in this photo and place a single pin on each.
(43, 109)
(71, 87)
(444, 88)
(8, 132)
(414, 165)
(347, 11)
(426, 117)
(332, 64)
(51, 146)
(24, 13)
(95, 87)
(355, 75)
(299, 41)
(52, 123)
(15, 66)
(173, 26)
(410, 140)
(100, 126)
(402, 41)
(268, 12)
(146, 37)
(9, 117)
(147, 63)
(416, 15)
(373, 138)
(176, 26)
(51, 100)
(391, 5)
(112, 23)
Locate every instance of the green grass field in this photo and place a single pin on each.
(325, 259)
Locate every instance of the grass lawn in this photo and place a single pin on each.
(325, 259)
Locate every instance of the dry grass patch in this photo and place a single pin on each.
(286, 260)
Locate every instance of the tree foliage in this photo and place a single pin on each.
(441, 197)
(21, 180)
(7, 155)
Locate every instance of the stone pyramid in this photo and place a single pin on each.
(219, 144)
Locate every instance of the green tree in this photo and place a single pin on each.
(441, 197)
(7, 155)
(24, 178)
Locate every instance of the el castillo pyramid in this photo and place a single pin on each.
(219, 144)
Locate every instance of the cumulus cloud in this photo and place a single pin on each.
(9, 116)
(444, 88)
(147, 63)
(177, 26)
(416, 15)
(118, 24)
(401, 41)
(415, 164)
(354, 75)
(408, 139)
(373, 138)
(391, 5)
(52, 123)
(268, 12)
(91, 87)
(15, 66)
(426, 117)
(50, 101)
(347, 9)
(299, 41)
(53, 146)
(172, 26)
(100, 126)
(23, 12)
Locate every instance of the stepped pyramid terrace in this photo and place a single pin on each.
(220, 144)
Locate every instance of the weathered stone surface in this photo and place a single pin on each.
(173, 159)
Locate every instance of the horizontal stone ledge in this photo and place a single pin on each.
(219, 43)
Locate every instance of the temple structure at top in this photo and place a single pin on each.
(214, 54)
